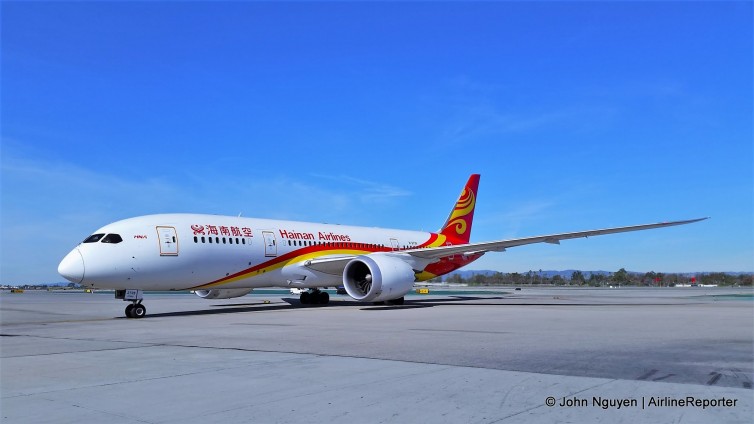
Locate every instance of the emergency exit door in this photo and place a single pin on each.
(394, 243)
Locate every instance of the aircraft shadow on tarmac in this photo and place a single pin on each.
(294, 303)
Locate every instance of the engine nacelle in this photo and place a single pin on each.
(222, 293)
(377, 277)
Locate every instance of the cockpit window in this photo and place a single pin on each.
(112, 238)
(94, 238)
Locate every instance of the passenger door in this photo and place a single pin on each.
(168, 241)
(270, 247)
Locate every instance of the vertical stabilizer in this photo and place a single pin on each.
(458, 226)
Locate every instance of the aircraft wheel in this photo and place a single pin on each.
(139, 311)
(129, 310)
(324, 298)
(305, 298)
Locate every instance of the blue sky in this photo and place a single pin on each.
(577, 115)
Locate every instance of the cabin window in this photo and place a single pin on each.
(203, 239)
(196, 239)
(94, 238)
(243, 241)
(112, 238)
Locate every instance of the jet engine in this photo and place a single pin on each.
(222, 293)
(377, 277)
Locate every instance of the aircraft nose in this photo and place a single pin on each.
(72, 267)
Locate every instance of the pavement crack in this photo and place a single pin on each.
(573, 394)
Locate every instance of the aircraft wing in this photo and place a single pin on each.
(335, 265)
(501, 245)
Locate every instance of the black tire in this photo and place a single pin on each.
(139, 311)
(129, 311)
(305, 298)
(324, 298)
(398, 301)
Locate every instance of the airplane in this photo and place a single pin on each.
(222, 257)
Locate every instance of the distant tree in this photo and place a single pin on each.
(497, 279)
(454, 279)
(719, 278)
(577, 277)
(649, 278)
(620, 277)
(596, 280)
(672, 279)
(478, 280)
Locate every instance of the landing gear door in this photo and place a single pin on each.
(270, 247)
(168, 241)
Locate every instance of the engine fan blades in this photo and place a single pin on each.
(366, 284)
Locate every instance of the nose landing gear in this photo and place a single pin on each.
(135, 309)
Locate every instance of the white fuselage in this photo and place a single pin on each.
(195, 251)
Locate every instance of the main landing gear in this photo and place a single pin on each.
(135, 309)
(314, 297)
(398, 301)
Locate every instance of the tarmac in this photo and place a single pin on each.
(665, 355)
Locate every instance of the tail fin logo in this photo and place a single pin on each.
(463, 208)
(458, 226)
